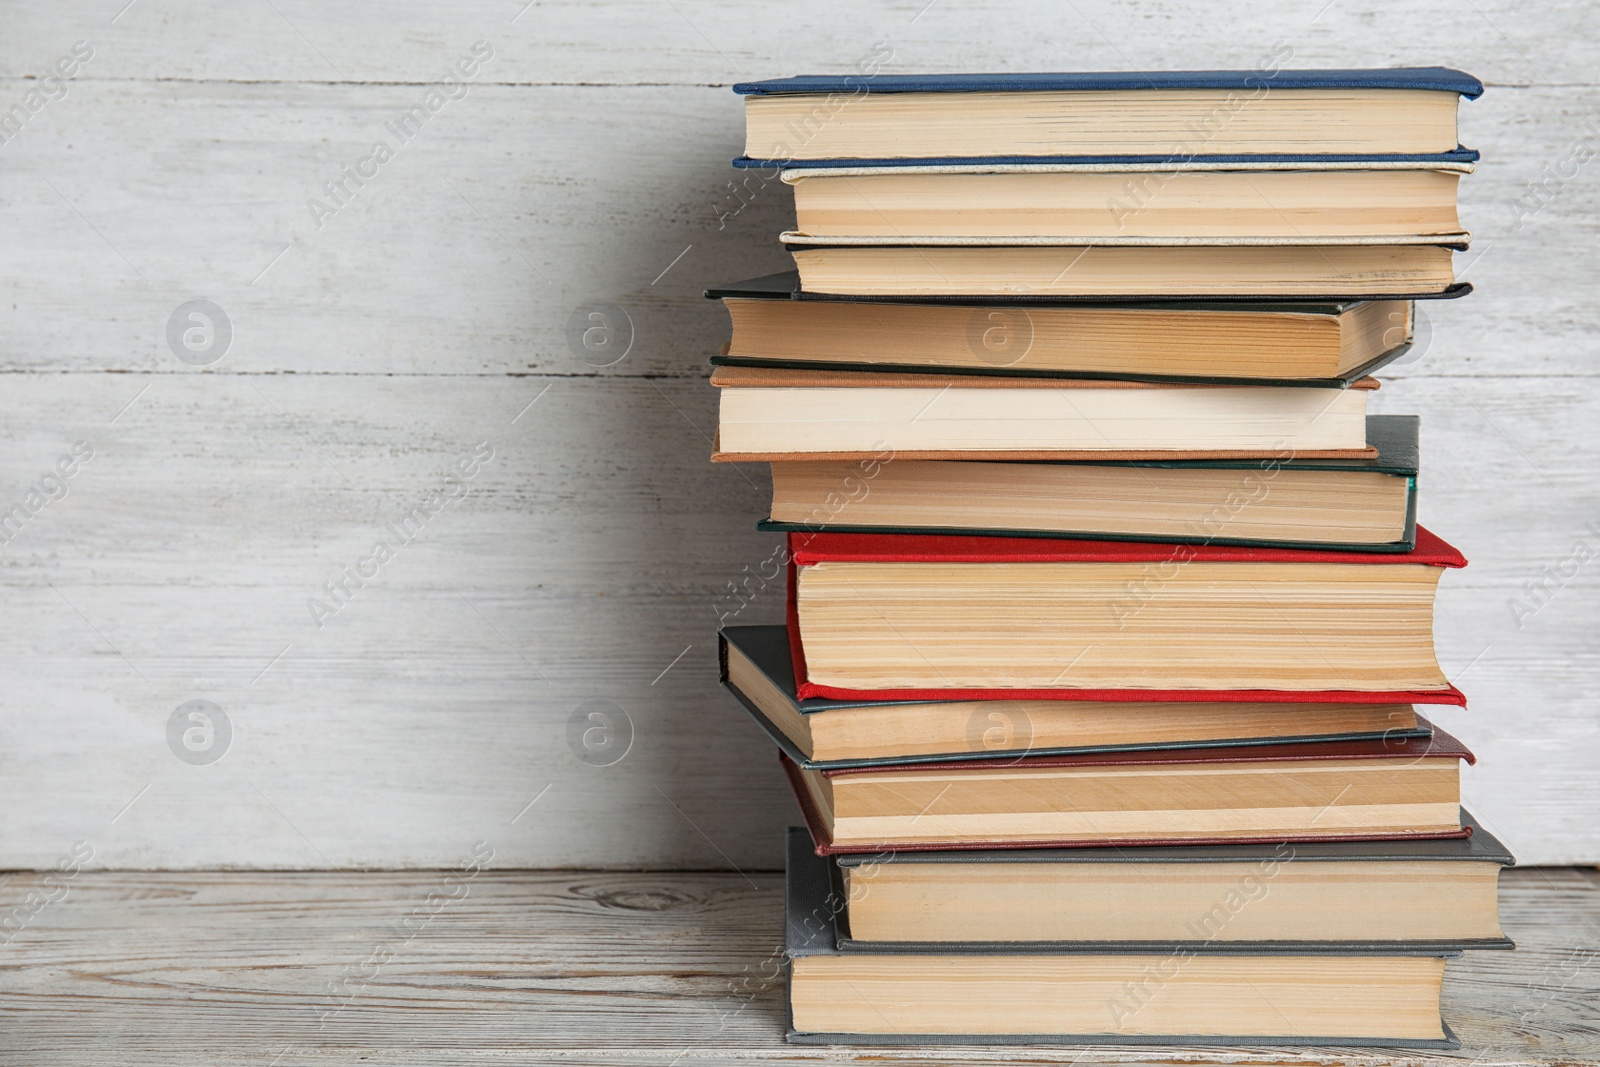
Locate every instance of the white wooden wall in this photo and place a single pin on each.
(587, 163)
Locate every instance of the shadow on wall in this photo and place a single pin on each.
(646, 727)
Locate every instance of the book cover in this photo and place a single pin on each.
(772, 286)
(808, 549)
(1458, 160)
(795, 241)
(1477, 846)
(1437, 79)
(1437, 745)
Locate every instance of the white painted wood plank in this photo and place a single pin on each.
(470, 250)
(467, 253)
(587, 968)
(702, 41)
(597, 544)
(369, 354)
(439, 696)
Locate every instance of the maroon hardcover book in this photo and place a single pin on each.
(1440, 745)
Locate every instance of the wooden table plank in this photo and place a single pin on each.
(569, 967)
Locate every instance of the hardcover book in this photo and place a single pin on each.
(1312, 791)
(1011, 204)
(826, 734)
(1066, 994)
(1438, 893)
(786, 284)
(1223, 344)
(767, 413)
(915, 617)
(1173, 116)
(1284, 269)
(1354, 504)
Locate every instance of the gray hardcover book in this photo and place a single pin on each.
(815, 904)
(1480, 846)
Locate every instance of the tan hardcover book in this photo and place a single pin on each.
(1238, 341)
(1126, 270)
(776, 413)
(909, 203)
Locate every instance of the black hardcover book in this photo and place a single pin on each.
(988, 338)
(785, 285)
(762, 680)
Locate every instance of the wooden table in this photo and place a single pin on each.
(524, 967)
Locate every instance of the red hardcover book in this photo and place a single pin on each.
(807, 549)
(1407, 751)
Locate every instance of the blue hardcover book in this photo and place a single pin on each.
(1261, 117)
(1433, 79)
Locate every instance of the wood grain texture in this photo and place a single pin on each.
(592, 557)
(587, 968)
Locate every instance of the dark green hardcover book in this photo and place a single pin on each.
(1387, 483)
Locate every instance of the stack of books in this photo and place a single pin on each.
(1108, 612)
